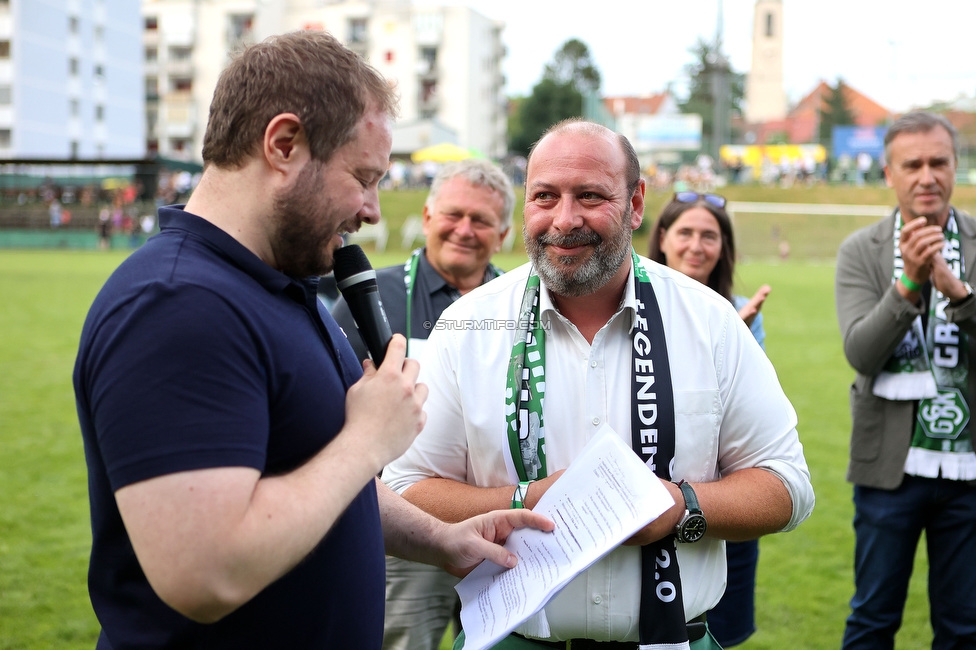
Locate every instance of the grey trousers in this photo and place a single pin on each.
(420, 601)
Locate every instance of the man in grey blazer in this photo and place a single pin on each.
(906, 313)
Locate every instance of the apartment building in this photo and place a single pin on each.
(71, 80)
(445, 61)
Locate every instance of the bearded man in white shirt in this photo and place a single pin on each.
(524, 370)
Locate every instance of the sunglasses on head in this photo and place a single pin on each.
(694, 197)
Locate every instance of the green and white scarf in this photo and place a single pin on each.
(661, 624)
(933, 368)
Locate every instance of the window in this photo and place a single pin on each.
(73, 106)
(769, 25)
(99, 113)
(180, 53)
(73, 24)
(152, 88)
(73, 66)
(99, 71)
(74, 149)
(151, 54)
(182, 85)
(152, 23)
(4, 49)
(240, 26)
(6, 95)
(357, 30)
(5, 137)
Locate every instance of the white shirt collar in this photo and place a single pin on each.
(628, 302)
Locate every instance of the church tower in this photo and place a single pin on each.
(765, 93)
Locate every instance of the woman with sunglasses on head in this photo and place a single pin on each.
(693, 234)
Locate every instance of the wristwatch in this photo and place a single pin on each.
(692, 526)
(969, 294)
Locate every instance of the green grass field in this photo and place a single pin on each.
(804, 577)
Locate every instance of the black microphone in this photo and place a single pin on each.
(356, 280)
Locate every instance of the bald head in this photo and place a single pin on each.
(630, 166)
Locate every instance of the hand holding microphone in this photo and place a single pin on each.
(386, 404)
(356, 280)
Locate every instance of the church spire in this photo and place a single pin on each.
(765, 92)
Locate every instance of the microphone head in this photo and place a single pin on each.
(351, 266)
(350, 260)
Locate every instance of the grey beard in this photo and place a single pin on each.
(588, 277)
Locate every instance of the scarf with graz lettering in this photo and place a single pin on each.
(662, 620)
(933, 367)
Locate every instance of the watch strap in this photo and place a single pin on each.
(691, 499)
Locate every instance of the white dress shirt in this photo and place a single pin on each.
(730, 414)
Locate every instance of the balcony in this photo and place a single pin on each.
(238, 40)
(177, 116)
(427, 70)
(360, 48)
(182, 68)
(428, 105)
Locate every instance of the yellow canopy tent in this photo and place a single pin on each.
(443, 152)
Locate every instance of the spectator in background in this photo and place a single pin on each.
(466, 216)
(429, 168)
(906, 311)
(398, 174)
(165, 195)
(54, 212)
(147, 224)
(104, 228)
(862, 167)
(844, 163)
(693, 234)
(735, 170)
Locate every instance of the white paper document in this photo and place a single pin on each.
(605, 496)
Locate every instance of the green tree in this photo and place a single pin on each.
(573, 64)
(834, 111)
(559, 95)
(549, 103)
(701, 87)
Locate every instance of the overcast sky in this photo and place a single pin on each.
(899, 54)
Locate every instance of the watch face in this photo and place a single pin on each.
(693, 528)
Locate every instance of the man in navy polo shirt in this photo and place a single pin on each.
(232, 438)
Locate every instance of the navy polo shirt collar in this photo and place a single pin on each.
(176, 218)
